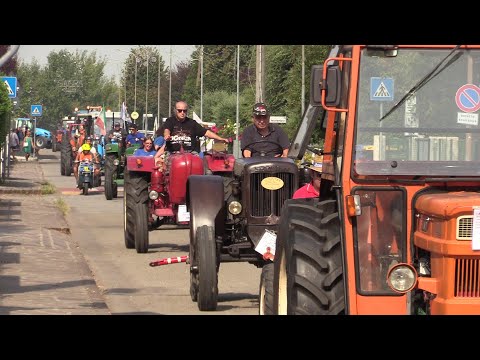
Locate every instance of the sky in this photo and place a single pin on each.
(115, 54)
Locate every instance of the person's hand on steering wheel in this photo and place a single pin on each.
(278, 150)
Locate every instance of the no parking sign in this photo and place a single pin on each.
(467, 98)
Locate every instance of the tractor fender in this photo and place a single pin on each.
(205, 202)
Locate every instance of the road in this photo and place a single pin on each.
(128, 283)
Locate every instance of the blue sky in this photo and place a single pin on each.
(116, 54)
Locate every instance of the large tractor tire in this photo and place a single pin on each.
(207, 269)
(308, 267)
(265, 299)
(137, 208)
(109, 177)
(128, 217)
(62, 162)
(68, 160)
(40, 142)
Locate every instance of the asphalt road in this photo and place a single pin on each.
(128, 283)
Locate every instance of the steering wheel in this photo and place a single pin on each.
(262, 153)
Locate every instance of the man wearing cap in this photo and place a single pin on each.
(312, 189)
(116, 134)
(182, 130)
(260, 138)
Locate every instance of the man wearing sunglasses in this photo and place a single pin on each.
(180, 129)
(262, 138)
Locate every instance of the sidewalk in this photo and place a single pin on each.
(42, 270)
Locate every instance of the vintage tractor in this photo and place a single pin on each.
(231, 214)
(155, 194)
(393, 231)
(115, 156)
(82, 123)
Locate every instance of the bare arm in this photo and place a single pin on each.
(160, 151)
(166, 134)
(212, 135)
(285, 153)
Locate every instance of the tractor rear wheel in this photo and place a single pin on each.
(109, 176)
(137, 204)
(308, 275)
(128, 217)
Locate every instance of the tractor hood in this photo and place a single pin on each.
(264, 164)
(448, 205)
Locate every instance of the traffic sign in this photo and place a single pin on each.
(11, 84)
(134, 115)
(36, 110)
(467, 98)
(381, 89)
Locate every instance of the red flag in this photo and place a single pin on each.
(100, 122)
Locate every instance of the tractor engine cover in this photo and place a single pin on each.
(182, 165)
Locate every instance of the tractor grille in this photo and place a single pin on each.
(267, 202)
(464, 227)
(467, 282)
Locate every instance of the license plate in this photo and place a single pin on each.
(86, 168)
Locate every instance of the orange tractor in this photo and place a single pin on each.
(393, 230)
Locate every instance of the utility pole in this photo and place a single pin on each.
(170, 86)
(201, 83)
(303, 80)
(237, 127)
(260, 75)
(158, 92)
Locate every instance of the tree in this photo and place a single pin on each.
(10, 67)
(141, 56)
(5, 112)
(69, 80)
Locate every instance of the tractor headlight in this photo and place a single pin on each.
(235, 207)
(116, 162)
(402, 278)
(153, 195)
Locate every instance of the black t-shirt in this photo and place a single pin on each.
(187, 131)
(276, 135)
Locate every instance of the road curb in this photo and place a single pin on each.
(21, 191)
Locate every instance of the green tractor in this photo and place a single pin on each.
(115, 157)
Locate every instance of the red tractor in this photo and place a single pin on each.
(155, 195)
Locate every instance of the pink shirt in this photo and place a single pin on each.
(306, 191)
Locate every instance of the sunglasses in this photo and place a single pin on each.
(182, 110)
(148, 143)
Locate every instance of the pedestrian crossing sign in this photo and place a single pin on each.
(10, 83)
(36, 110)
(381, 89)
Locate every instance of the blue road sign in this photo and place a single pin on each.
(381, 89)
(36, 110)
(11, 84)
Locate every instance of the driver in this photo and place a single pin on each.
(261, 137)
(86, 155)
(180, 128)
(116, 134)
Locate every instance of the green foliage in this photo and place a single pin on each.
(283, 64)
(134, 81)
(69, 80)
(5, 112)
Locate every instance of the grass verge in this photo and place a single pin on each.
(62, 206)
(48, 188)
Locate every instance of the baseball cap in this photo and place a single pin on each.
(260, 109)
(317, 163)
